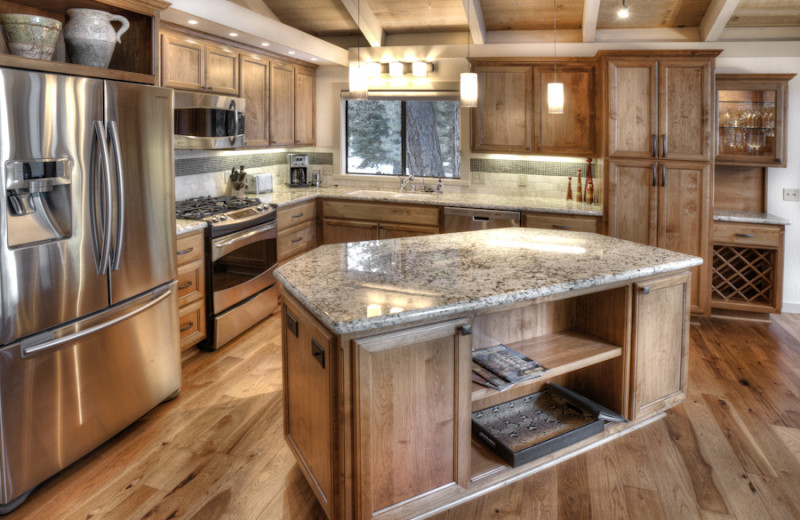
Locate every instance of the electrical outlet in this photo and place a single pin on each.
(791, 194)
(522, 180)
(478, 178)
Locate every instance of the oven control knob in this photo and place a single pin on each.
(223, 217)
(260, 208)
(215, 220)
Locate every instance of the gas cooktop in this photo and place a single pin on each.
(225, 213)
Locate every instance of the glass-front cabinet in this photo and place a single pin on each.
(751, 119)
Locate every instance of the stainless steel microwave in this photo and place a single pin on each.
(208, 121)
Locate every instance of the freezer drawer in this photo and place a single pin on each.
(65, 393)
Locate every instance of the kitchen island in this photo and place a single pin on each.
(377, 341)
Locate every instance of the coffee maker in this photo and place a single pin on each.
(298, 170)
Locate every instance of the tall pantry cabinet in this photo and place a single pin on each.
(658, 153)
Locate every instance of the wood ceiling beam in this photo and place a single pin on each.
(591, 11)
(716, 18)
(477, 26)
(369, 24)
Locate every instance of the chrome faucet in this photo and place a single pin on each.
(405, 182)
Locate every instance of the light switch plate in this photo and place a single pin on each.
(791, 194)
(522, 180)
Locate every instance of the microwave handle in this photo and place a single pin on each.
(235, 122)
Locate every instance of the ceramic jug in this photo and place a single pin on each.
(90, 37)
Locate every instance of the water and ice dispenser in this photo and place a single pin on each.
(38, 201)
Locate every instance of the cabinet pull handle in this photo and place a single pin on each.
(645, 289)
(663, 176)
(745, 235)
(296, 240)
(560, 226)
(187, 327)
(210, 88)
(318, 352)
(186, 251)
(655, 145)
(298, 215)
(664, 145)
(655, 174)
(291, 323)
(184, 286)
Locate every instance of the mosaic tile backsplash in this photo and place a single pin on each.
(198, 165)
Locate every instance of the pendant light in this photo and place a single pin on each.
(555, 90)
(359, 80)
(624, 12)
(469, 80)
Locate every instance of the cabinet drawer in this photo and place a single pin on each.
(564, 222)
(296, 214)
(763, 235)
(191, 282)
(192, 323)
(389, 212)
(190, 247)
(294, 242)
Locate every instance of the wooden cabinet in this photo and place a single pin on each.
(573, 132)
(254, 83)
(503, 120)
(281, 101)
(133, 61)
(191, 288)
(660, 344)
(562, 222)
(512, 115)
(305, 101)
(296, 229)
(189, 63)
(747, 267)
(660, 107)
(309, 398)
(353, 221)
(664, 204)
(751, 119)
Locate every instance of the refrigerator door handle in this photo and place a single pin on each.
(120, 205)
(35, 348)
(100, 131)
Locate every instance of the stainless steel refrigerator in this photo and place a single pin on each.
(88, 303)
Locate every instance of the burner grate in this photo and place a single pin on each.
(203, 207)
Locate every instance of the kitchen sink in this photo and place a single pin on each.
(413, 195)
(390, 194)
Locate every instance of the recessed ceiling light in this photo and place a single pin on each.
(192, 22)
(313, 59)
(292, 52)
(265, 44)
(233, 34)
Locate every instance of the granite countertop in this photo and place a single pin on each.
(748, 217)
(365, 285)
(183, 225)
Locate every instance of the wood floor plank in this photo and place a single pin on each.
(643, 503)
(605, 485)
(574, 501)
(540, 491)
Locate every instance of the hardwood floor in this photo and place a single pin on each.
(730, 451)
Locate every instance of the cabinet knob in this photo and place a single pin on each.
(466, 330)
(645, 289)
(210, 88)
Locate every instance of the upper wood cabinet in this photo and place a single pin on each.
(751, 119)
(281, 99)
(305, 96)
(503, 120)
(255, 91)
(660, 107)
(134, 60)
(572, 132)
(191, 64)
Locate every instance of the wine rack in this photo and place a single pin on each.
(744, 277)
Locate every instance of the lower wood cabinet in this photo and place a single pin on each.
(354, 221)
(297, 229)
(561, 222)
(191, 288)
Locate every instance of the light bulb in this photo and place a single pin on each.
(419, 69)
(395, 69)
(624, 12)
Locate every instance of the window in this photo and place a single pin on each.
(401, 136)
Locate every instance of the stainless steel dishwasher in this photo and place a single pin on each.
(468, 219)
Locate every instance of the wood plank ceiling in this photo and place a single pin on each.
(516, 20)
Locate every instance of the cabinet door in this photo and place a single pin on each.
(281, 104)
(182, 62)
(308, 396)
(632, 108)
(222, 70)
(572, 132)
(633, 200)
(660, 344)
(387, 230)
(503, 120)
(304, 107)
(561, 222)
(684, 219)
(412, 392)
(336, 231)
(685, 109)
(255, 91)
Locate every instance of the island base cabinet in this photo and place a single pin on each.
(308, 399)
(660, 326)
(412, 420)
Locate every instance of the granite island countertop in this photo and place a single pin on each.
(360, 286)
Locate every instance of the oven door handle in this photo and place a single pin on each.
(243, 238)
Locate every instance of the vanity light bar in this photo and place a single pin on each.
(419, 69)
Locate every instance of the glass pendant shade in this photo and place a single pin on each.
(469, 90)
(555, 98)
(374, 69)
(358, 81)
(395, 69)
(419, 69)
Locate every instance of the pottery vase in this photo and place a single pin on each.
(90, 37)
(31, 36)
